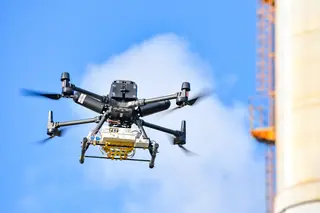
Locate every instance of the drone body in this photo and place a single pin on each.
(121, 108)
(121, 93)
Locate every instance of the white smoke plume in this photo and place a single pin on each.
(224, 178)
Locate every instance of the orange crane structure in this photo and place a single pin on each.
(262, 104)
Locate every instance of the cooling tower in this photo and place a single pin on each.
(298, 106)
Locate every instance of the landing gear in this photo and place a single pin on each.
(153, 148)
(84, 147)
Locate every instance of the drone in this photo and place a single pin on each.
(120, 109)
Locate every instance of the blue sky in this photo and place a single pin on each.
(41, 39)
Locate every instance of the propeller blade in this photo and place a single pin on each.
(184, 149)
(205, 93)
(52, 96)
(59, 133)
(187, 151)
(44, 140)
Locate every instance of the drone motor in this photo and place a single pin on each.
(185, 88)
(65, 83)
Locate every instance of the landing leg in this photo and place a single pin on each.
(84, 147)
(153, 151)
(153, 147)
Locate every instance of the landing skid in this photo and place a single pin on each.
(153, 149)
(104, 157)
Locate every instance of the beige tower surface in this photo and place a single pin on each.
(298, 106)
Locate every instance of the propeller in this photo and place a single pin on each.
(184, 149)
(205, 93)
(52, 96)
(58, 133)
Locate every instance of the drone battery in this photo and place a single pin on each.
(124, 90)
(88, 102)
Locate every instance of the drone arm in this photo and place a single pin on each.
(75, 122)
(181, 97)
(96, 96)
(143, 102)
(162, 98)
(68, 88)
(160, 128)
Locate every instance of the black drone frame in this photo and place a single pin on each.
(67, 92)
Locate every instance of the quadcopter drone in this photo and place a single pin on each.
(120, 110)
